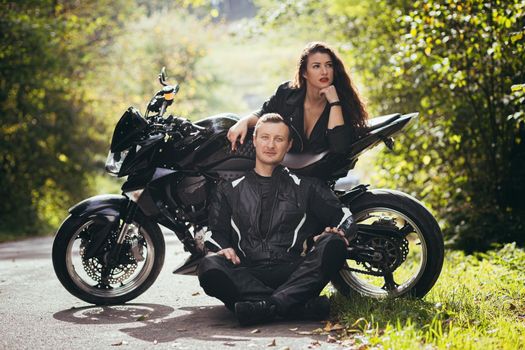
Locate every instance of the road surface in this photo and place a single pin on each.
(36, 312)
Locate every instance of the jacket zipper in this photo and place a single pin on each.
(271, 216)
(257, 221)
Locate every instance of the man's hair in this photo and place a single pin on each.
(272, 118)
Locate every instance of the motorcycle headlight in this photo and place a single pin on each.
(114, 161)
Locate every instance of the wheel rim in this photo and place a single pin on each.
(82, 279)
(406, 275)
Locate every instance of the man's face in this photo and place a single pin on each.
(271, 143)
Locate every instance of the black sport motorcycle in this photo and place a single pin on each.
(110, 248)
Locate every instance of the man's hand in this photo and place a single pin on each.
(329, 231)
(229, 254)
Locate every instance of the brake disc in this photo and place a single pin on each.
(118, 274)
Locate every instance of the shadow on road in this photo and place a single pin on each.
(210, 323)
(127, 313)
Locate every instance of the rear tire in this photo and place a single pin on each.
(81, 277)
(420, 270)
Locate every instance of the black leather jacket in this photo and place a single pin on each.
(289, 103)
(302, 208)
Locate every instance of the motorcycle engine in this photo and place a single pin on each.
(192, 192)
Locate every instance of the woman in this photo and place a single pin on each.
(321, 103)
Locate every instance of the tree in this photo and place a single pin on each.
(456, 63)
(46, 49)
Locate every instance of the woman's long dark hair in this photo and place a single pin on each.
(354, 111)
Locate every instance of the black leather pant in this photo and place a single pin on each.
(286, 284)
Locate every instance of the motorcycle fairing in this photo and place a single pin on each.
(128, 127)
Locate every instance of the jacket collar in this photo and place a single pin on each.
(279, 169)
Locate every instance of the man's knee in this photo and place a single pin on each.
(331, 242)
(210, 263)
(333, 251)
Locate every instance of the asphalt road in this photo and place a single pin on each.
(36, 312)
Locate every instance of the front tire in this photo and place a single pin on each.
(82, 276)
(423, 251)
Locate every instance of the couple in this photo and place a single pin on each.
(278, 237)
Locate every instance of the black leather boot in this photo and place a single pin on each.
(254, 312)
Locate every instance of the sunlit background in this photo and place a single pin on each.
(69, 69)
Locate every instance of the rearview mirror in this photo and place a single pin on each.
(163, 77)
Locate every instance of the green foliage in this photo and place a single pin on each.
(46, 48)
(461, 64)
(478, 302)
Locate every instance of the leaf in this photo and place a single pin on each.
(331, 339)
(196, 293)
(272, 343)
(255, 331)
(293, 329)
(316, 343)
(143, 317)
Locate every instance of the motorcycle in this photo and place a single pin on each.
(110, 249)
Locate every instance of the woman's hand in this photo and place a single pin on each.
(331, 230)
(330, 93)
(229, 254)
(238, 130)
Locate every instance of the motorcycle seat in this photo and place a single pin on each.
(302, 160)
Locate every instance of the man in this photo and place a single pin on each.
(261, 225)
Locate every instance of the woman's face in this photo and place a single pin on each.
(319, 71)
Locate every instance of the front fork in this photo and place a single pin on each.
(112, 257)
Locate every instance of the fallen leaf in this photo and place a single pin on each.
(293, 329)
(118, 344)
(155, 342)
(181, 330)
(330, 339)
(285, 348)
(318, 331)
(142, 318)
(333, 327)
(316, 343)
(272, 343)
(229, 344)
(255, 331)
(194, 294)
(304, 333)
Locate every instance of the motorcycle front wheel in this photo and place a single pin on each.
(416, 259)
(89, 279)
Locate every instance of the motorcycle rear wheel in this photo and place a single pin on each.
(424, 247)
(82, 277)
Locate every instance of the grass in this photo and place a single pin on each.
(477, 303)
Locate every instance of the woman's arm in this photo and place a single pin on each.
(336, 112)
(240, 129)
